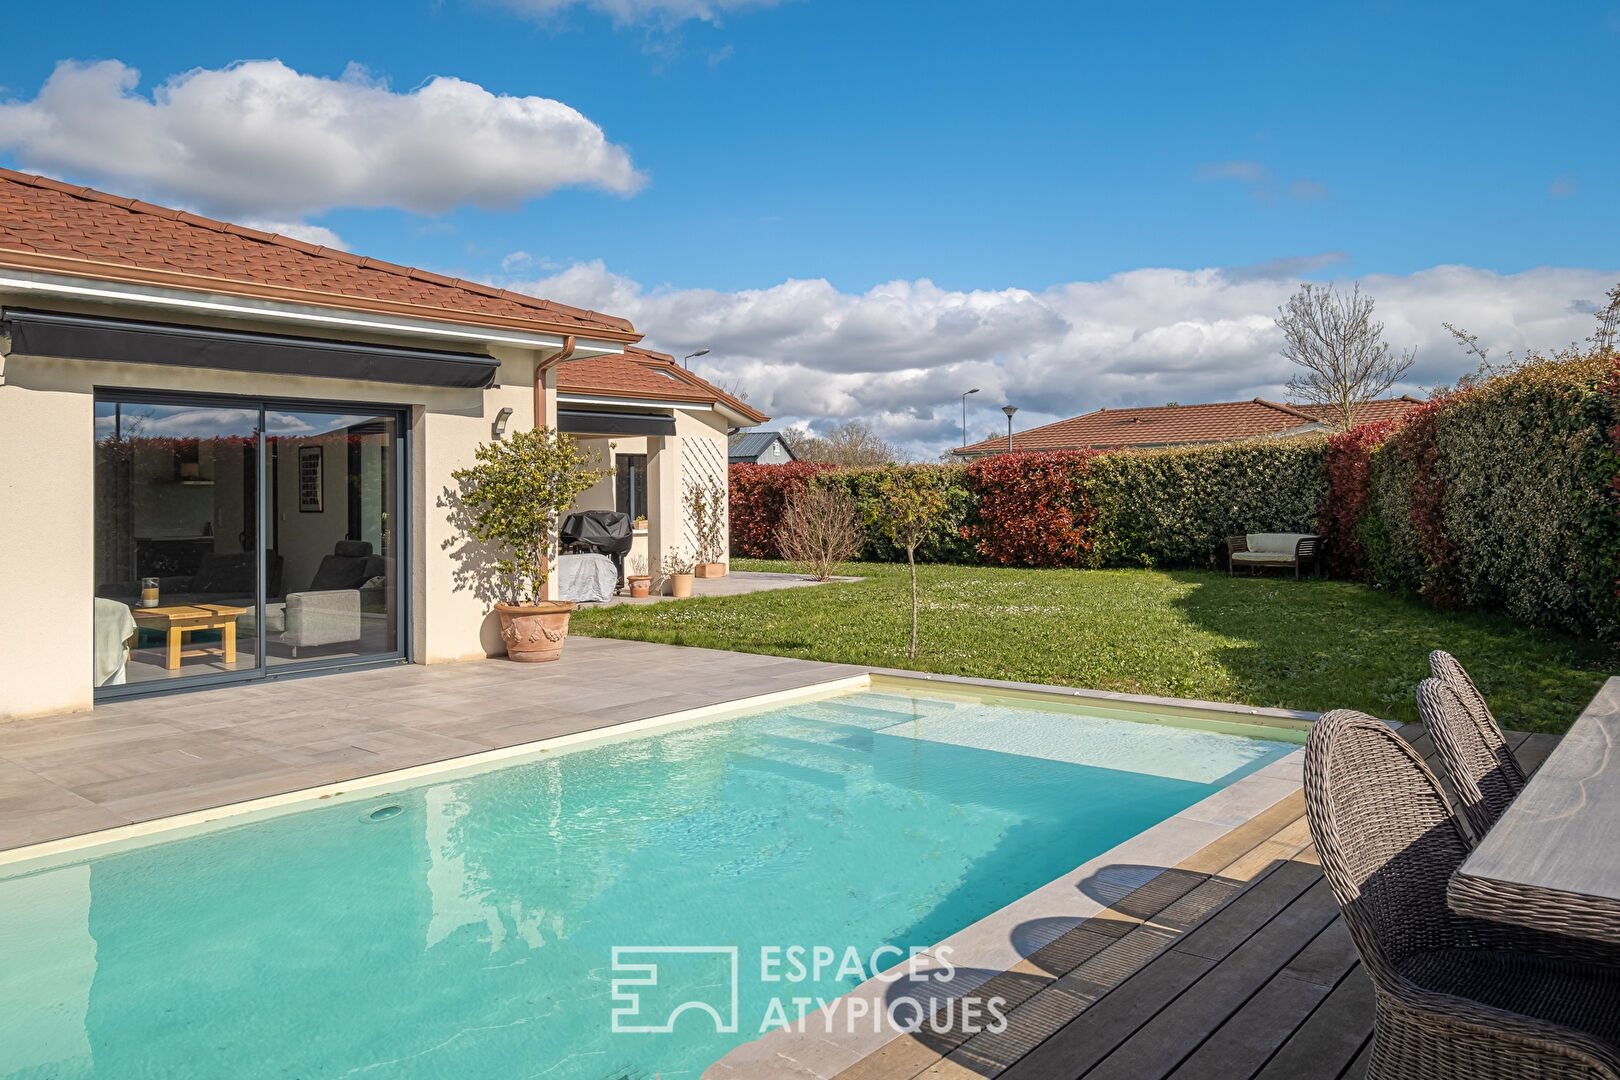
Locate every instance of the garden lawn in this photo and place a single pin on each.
(1270, 641)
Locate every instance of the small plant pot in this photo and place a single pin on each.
(639, 586)
(534, 633)
(680, 585)
(640, 524)
(711, 569)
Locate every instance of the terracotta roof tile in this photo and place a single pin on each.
(642, 373)
(1178, 425)
(45, 217)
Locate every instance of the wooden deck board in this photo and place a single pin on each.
(1235, 965)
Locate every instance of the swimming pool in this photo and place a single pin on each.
(466, 927)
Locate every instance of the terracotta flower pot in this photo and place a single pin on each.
(535, 632)
(711, 569)
(680, 584)
(640, 586)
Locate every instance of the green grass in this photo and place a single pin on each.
(1258, 641)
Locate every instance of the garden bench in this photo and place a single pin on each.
(1258, 551)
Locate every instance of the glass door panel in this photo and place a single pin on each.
(333, 535)
(176, 541)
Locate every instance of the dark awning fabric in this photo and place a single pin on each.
(84, 337)
(580, 422)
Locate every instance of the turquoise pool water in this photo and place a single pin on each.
(469, 933)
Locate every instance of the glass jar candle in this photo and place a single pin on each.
(149, 592)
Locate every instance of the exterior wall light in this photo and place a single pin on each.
(499, 427)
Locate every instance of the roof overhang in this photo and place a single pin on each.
(86, 337)
(44, 285)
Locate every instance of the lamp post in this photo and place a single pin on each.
(1009, 410)
(975, 390)
(687, 363)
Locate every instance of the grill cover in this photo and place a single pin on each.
(606, 531)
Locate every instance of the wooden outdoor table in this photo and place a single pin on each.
(1552, 861)
(181, 619)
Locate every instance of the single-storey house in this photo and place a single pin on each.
(761, 448)
(225, 455)
(1182, 425)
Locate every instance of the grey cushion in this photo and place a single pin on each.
(352, 549)
(1279, 542)
(342, 572)
(1267, 557)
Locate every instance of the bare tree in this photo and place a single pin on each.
(1339, 348)
(1607, 335)
(819, 531)
(851, 444)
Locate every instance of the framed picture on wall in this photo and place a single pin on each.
(309, 479)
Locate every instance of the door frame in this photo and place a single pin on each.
(404, 651)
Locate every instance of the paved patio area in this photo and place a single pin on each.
(137, 760)
(735, 583)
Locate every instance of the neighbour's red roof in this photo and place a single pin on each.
(1177, 425)
(642, 373)
(46, 225)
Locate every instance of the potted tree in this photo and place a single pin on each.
(514, 496)
(706, 507)
(638, 579)
(677, 570)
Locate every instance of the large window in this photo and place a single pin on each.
(235, 537)
(630, 481)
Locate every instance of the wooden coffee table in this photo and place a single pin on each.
(179, 620)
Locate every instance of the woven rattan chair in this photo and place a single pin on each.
(1482, 769)
(1457, 996)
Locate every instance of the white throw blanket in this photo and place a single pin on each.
(585, 577)
(114, 627)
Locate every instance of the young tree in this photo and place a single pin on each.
(1340, 351)
(1606, 338)
(908, 502)
(819, 530)
(852, 445)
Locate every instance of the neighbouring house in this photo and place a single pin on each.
(230, 452)
(1182, 425)
(761, 448)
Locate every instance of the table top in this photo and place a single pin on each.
(175, 612)
(1553, 858)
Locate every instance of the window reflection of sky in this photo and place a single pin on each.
(190, 421)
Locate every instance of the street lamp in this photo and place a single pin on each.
(975, 390)
(687, 362)
(1009, 410)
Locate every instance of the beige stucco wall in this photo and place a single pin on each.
(47, 575)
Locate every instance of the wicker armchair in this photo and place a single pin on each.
(1482, 769)
(1457, 996)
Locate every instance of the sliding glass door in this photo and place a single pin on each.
(236, 539)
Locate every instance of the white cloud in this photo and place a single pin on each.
(899, 355)
(625, 12)
(258, 139)
(298, 230)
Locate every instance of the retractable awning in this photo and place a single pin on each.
(87, 337)
(585, 422)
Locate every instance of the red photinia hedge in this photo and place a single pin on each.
(1348, 465)
(1033, 509)
(1419, 443)
(759, 495)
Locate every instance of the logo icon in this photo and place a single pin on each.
(657, 983)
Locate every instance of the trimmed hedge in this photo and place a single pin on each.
(1176, 507)
(1504, 495)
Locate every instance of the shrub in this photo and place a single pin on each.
(1177, 506)
(820, 530)
(909, 502)
(1347, 465)
(1033, 509)
(759, 497)
(942, 542)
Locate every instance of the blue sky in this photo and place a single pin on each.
(994, 154)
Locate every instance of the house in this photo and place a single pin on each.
(234, 449)
(761, 448)
(1182, 425)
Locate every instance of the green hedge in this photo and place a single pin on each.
(1501, 496)
(1176, 507)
